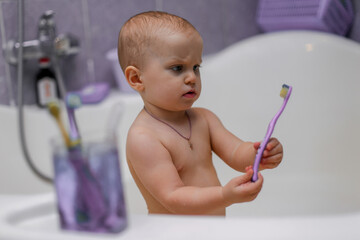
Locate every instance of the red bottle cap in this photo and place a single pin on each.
(44, 61)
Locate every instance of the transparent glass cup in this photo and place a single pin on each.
(90, 195)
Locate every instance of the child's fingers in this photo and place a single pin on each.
(248, 168)
(244, 178)
(258, 184)
(257, 145)
(248, 183)
(272, 149)
(260, 180)
(272, 158)
(271, 162)
(252, 188)
(272, 143)
(242, 189)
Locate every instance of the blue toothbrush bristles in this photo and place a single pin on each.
(73, 100)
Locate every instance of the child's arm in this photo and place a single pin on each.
(154, 167)
(237, 153)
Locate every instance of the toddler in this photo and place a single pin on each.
(170, 144)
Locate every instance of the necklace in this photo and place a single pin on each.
(189, 120)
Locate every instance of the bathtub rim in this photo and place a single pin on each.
(153, 225)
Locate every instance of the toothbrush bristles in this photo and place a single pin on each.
(284, 90)
(73, 100)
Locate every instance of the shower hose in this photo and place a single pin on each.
(20, 74)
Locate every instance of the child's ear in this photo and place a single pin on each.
(132, 75)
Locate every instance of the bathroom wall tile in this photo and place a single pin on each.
(4, 98)
(68, 19)
(10, 20)
(106, 19)
(205, 15)
(221, 23)
(354, 32)
(239, 20)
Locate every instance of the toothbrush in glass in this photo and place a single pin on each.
(90, 194)
(54, 110)
(73, 102)
(284, 93)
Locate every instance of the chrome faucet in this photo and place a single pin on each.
(47, 32)
(47, 44)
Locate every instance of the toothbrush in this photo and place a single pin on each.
(73, 102)
(65, 208)
(89, 189)
(284, 93)
(54, 110)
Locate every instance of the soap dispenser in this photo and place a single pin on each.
(47, 89)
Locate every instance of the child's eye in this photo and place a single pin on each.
(196, 68)
(178, 68)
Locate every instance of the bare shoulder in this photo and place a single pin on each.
(206, 114)
(139, 135)
(203, 112)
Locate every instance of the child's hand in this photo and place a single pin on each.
(242, 189)
(272, 155)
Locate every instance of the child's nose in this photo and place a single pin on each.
(190, 78)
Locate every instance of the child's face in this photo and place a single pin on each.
(171, 75)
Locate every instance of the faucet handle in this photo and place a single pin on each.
(49, 14)
(67, 44)
(47, 32)
(47, 23)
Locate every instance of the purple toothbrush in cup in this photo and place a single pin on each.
(88, 183)
(285, 93)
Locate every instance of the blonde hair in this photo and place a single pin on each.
(140, 30)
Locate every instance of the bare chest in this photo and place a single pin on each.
(193, 155)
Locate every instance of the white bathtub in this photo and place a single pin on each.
(314, 193)
(319, 128)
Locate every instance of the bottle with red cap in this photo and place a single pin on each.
(47, 89)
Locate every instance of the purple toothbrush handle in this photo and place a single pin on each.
(74, 134)
(90, 194)
(262, 148)
(267, 137)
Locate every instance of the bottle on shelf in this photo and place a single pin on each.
(47, 89)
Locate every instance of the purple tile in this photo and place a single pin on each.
(10, 15)
(105, 29)
(68, 20)
(239, 19)
(206, 18)
(221, 23)
(354, 32)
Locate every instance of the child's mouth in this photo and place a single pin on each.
(190, 94)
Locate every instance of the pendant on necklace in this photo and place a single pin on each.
(190, 144)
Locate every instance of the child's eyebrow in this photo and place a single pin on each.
(177, 59)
